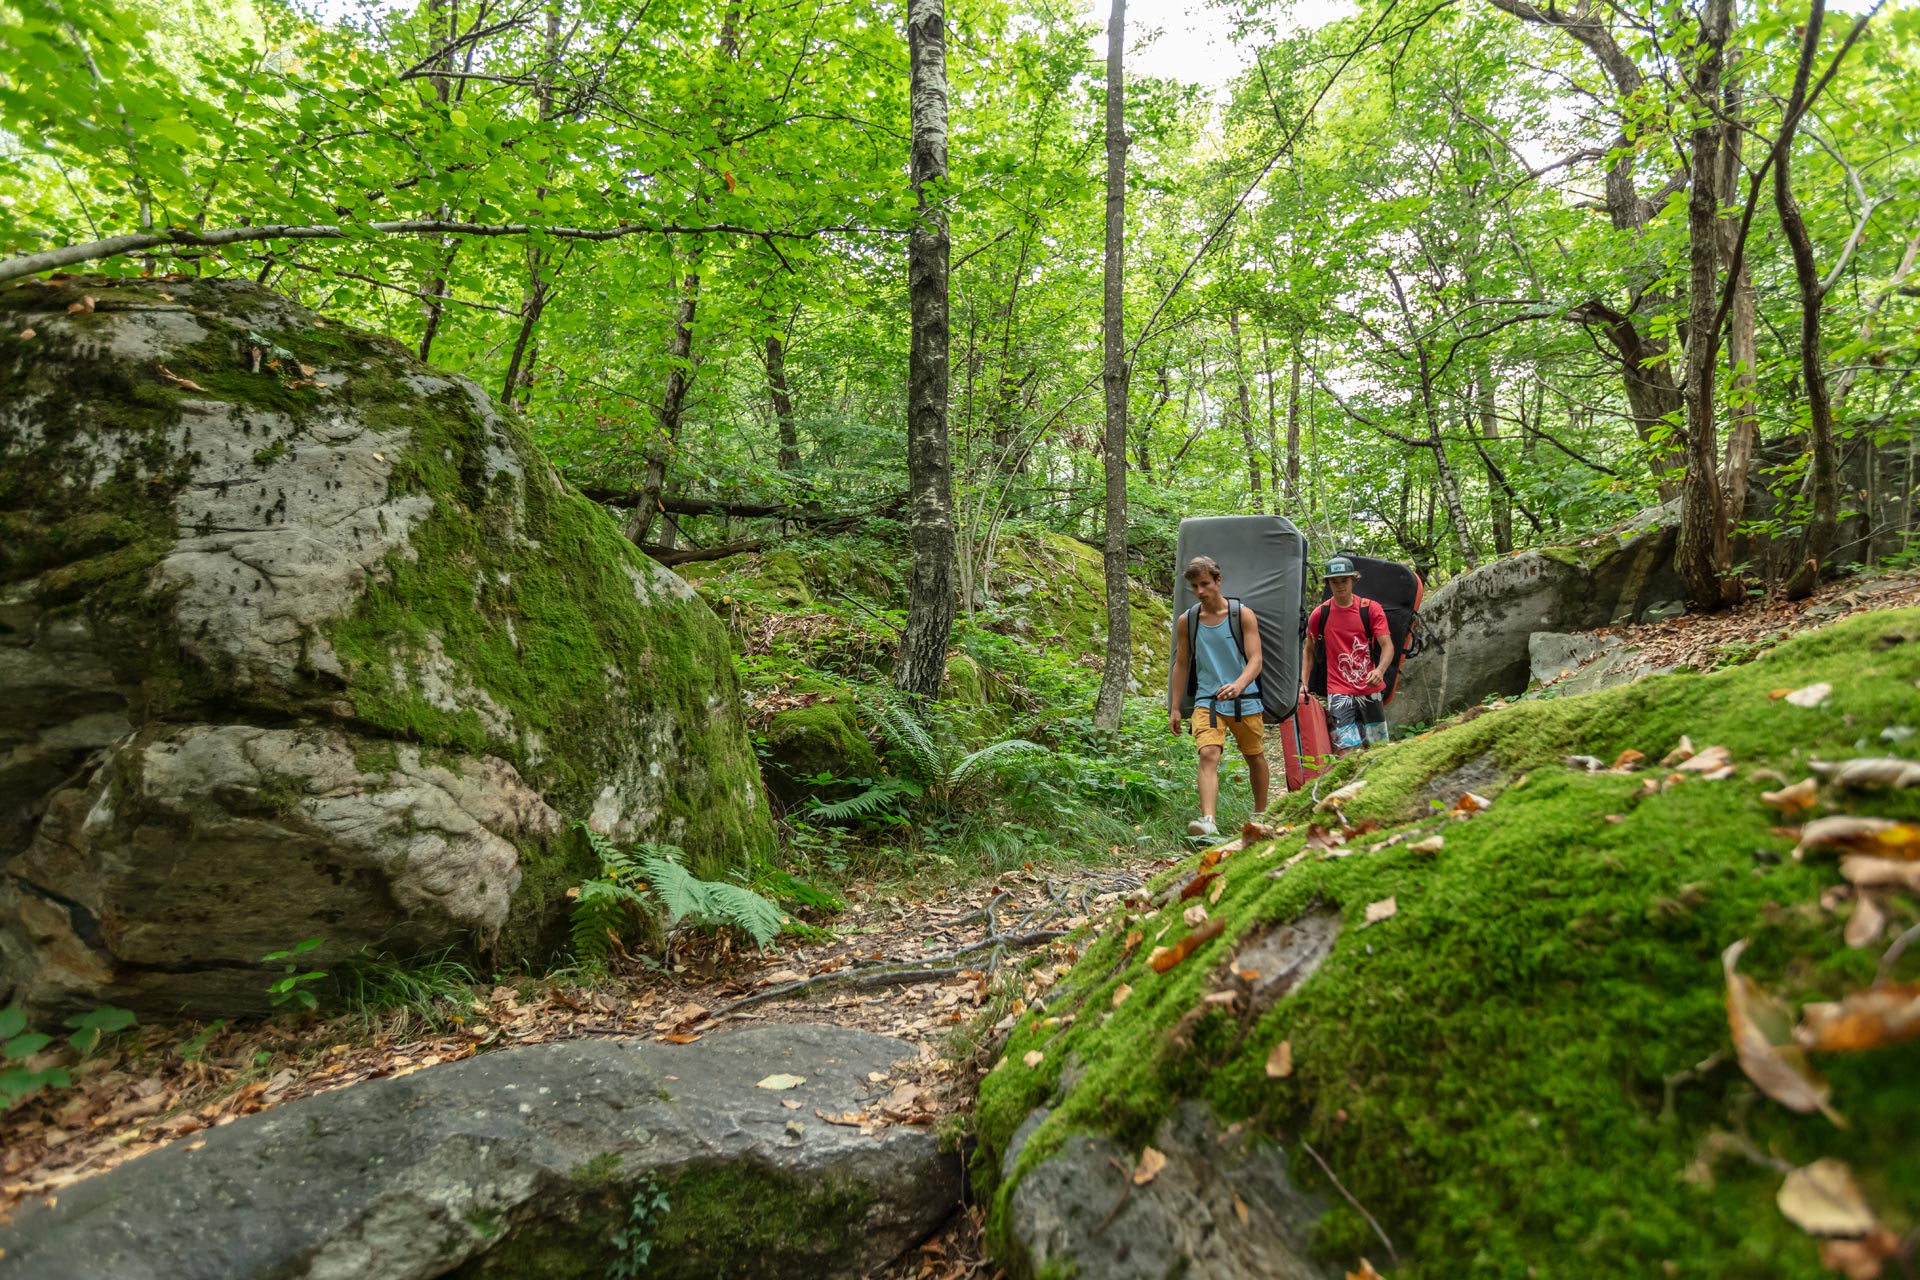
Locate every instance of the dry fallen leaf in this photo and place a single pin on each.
(1034, 1058)
(1255, 832)
(1385, 909)
(1432, 844)
(1822, 1200)
(1811, 696)
(84, 307)
(1862, 1259)
(1680, 753)
(1870, 771)
(1884, 1014)
(1876, 837)
(1708, 761)
(26, 334)
(1164, 958)
(1867, 922)
(1881, 873)
(1195, 915)
(185, 384)
(1763, 1040)
(1341, 796)
(1133, 940)
(1198, 885)
(1794, 800)
(1469, 803)
(1240, 1211)
(1151, 1163)
(680, 1037)
(1280, 1061)
(1120, 994)
(1213, 894)
(782, 1081)
(1629, 759)
(1366, 1272)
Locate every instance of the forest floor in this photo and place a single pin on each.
(945, 967)
(938, 968)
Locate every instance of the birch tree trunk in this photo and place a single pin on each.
(1500, 507)
(1743, 419)
(1246, 411)
(1115, 674)
(930, 607)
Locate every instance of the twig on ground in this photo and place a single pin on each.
(1672, 1083)
(886, 975)
(1893, 954)
(1126, 1189)
(1358, 1207)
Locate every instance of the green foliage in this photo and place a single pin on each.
(294, 987)
(633, 1242)
(708, 903)
(17, 1044)
(938, 763)
(606, 905)
(878, 800)
(435, 992)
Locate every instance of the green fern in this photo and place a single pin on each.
(938, 764)
(716, 903)
(991, 757)
(605, 905)
(874, 801)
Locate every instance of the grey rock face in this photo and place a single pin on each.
(1478, 624)
(523, 1164)
(299, 639)
(1075, 1211)
(1584, 663)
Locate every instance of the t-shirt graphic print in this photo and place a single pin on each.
(1349, 657)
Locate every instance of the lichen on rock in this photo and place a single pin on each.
(244, 537)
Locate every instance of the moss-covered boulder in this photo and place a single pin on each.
(1054, 588)
(299, 638)
(821, 735)
(1510, 1045)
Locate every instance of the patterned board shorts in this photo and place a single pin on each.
(1356, 720)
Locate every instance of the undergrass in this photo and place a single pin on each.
(1487, 1070)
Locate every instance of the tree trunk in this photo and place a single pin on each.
(1500, 508)
(923, 646)
(1823, 474)
(441, 28)
(1119, 659)
(673, 400)
(782, 402)
(1703, 555)
(1743, 418)
(1273, 422)
(1254, 487)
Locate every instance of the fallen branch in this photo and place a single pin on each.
(887, 974)
(1358, 1207)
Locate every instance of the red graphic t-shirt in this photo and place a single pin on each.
(1349, 662)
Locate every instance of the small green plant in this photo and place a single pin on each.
(434, 991)
(633, 1243)
(18, 1044)
(651, 877)
(293, 987)
(605, 905)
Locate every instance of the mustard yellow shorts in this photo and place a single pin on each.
(1249, 734)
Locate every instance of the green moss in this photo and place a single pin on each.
(1486, 1069)
(965, 682)
(823, 737)
(603, 1170)
(786, 578)
(1056, 586)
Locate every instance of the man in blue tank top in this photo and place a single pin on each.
(1225, 676)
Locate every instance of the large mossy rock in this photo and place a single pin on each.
(1054, 588)
(301, 639)
(525, 1164)
(1477, 624)
(1524, 1068)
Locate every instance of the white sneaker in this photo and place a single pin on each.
(1203, 826)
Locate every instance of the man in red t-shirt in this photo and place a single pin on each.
(1355, 673)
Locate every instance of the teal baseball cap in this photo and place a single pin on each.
(1340, 567)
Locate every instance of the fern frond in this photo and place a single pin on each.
(599, 911)
(904, 729)
(870, 801)
(992, 757)
(744, 909)
(710, 902)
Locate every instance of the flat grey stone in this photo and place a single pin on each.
(523, 1163)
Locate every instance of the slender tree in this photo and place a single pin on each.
(1113, 679)
(930, 607)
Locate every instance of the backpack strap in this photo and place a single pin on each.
(1193, 651)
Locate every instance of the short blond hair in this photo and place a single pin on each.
(1202, 564)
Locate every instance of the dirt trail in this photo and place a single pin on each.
(921, 966)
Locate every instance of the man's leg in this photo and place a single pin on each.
(1261, 775)
(1209, 779)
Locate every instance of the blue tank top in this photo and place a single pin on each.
(1220, 663)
